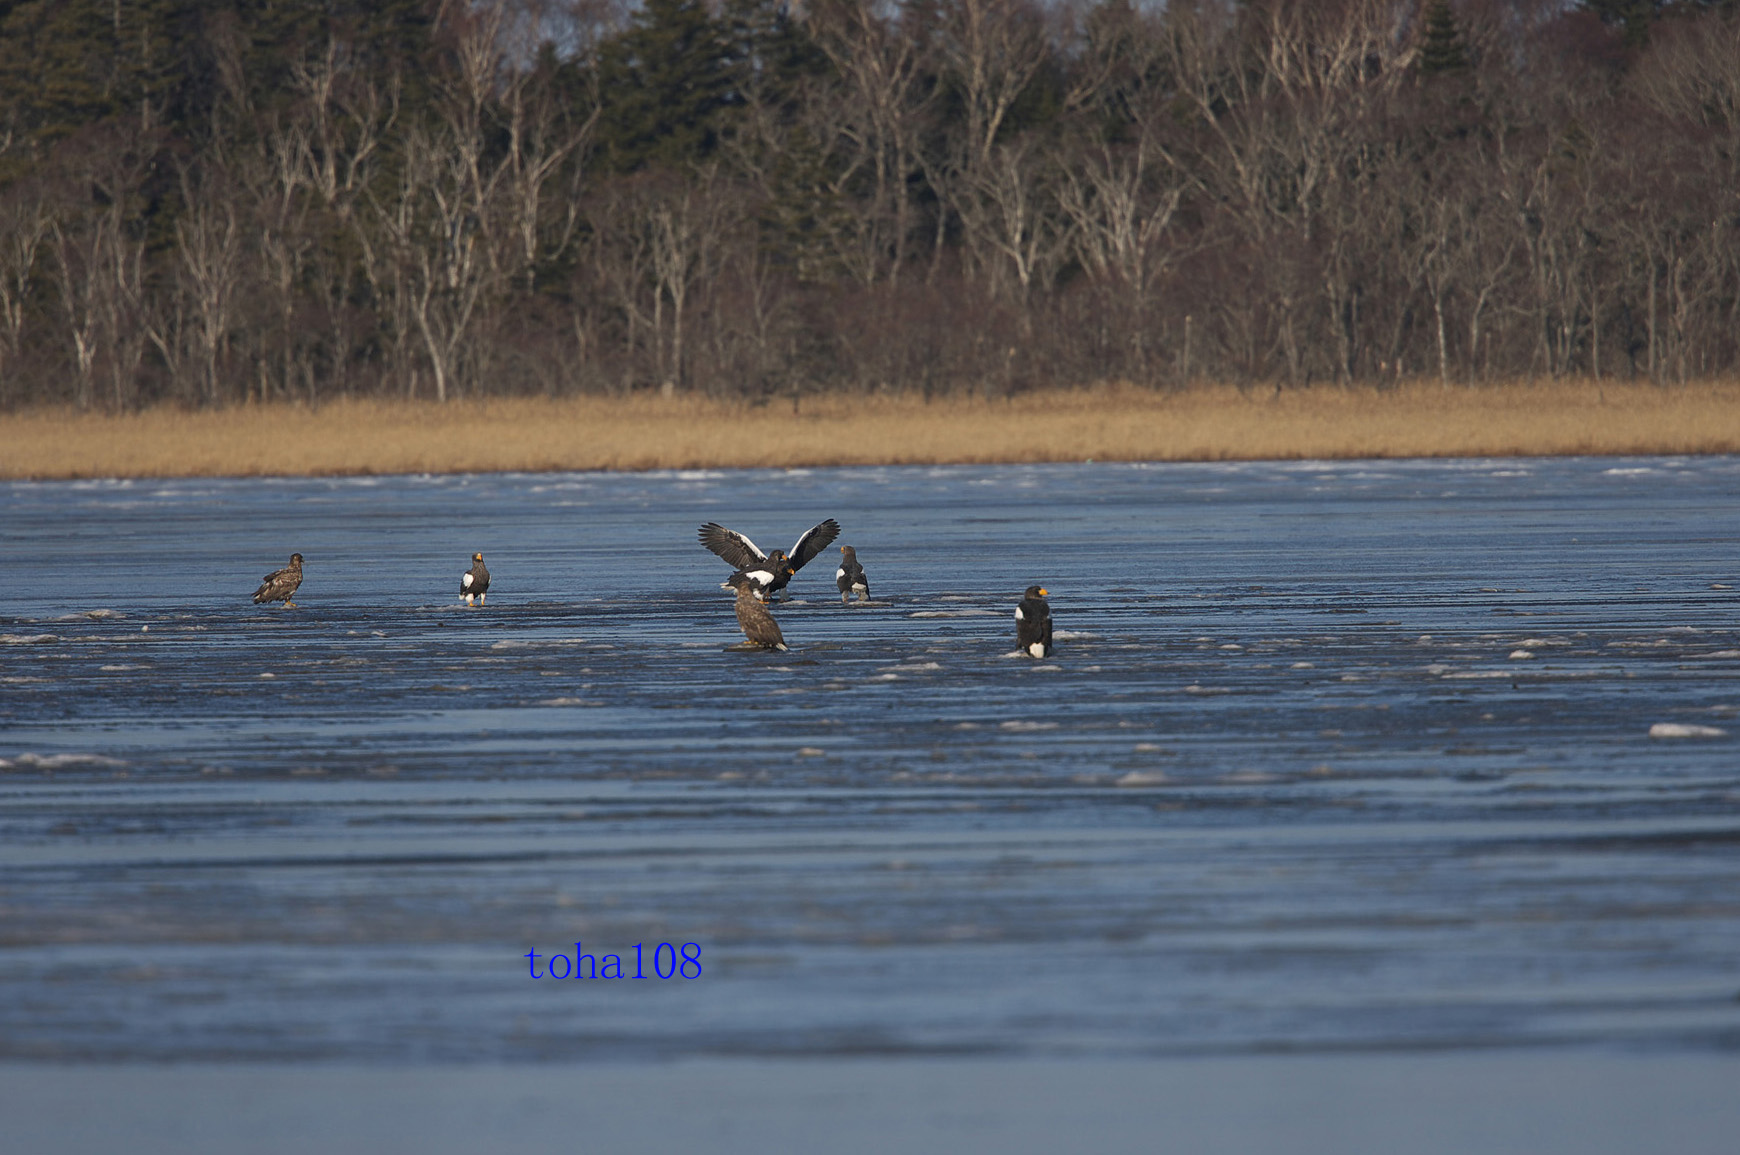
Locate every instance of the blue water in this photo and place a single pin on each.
(1331, 756)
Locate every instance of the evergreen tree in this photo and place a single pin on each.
(804, 219)
(666, 81)
(1442, 50)
(769, 53)
(72, 63)
(163, 65)
(1635, 16)
(384, 38)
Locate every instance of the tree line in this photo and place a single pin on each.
(207, 203)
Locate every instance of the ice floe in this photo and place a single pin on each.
(1685, 730)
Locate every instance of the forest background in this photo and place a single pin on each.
(207, 203)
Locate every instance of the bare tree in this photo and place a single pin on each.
(444, 217)
(875, 116)
(209, 246)
(273, 179)
(618, 291)
(546, 138)
(1011, 218)
(1690, 78)
(443, 261)
(97, 251)
(1121, 192)
(304, 182)
(990, 50)
(25, 226)
(80, 254)
(1282, 88)
(686, 228)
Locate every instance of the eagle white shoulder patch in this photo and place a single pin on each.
(465, 580)
(1019, 616)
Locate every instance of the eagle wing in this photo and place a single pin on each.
(1033, 622)
(738, 551)
(814, 541)
(278, 584)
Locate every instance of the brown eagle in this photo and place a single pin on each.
(280, 584)
(758, 625)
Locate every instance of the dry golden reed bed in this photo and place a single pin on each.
(1207, 423)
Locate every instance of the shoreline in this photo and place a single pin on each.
(1108, 423)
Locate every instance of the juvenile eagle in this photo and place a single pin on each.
(850, 576)
(758, 625)
(280, 584)
(474, 583)
(768, 571)
(1033, 623)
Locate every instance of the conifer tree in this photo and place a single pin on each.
(1634, 16)
(769, 52)
(70, 64)
(1442, 50)
(666, 80)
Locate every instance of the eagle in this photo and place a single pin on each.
(280, 584)
(474, 583)
(1033, 622)
(758, 625)
(769, 572)
(850, 576)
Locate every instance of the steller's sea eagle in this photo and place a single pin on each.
(768, 571)
(474, 583)
(1033, 622)
(850, 576)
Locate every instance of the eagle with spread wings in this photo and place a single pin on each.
(766, 572)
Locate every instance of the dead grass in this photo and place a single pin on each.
(1104, 424)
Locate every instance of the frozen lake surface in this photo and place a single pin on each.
(1380, 756)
